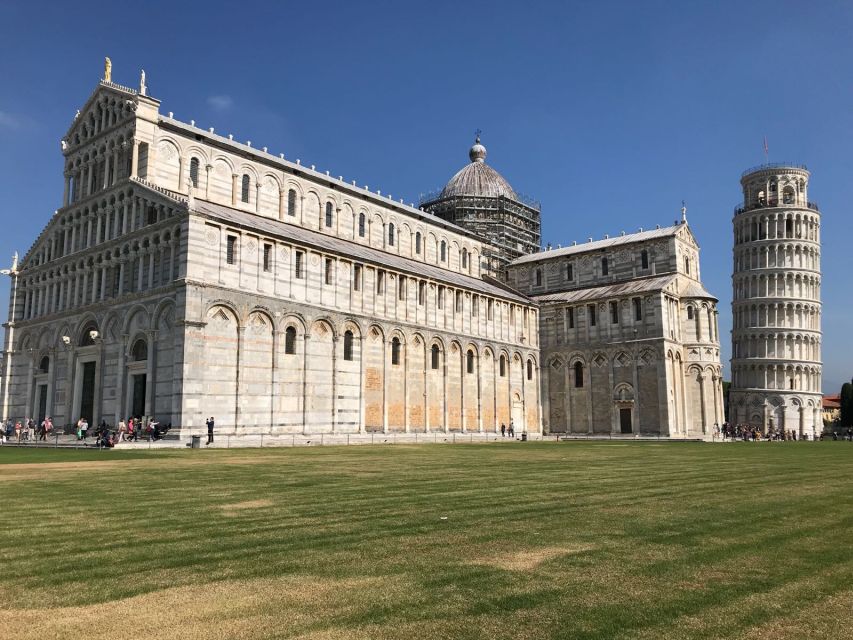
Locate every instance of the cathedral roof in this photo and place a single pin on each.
(641, 236)
(353, 250)
(477, 178)
(636, 285)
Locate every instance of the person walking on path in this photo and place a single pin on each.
(503, 430)
(210, 430)
(84, 428)
(122, 428)
(31, 430)
(512, 428)
(18, 431)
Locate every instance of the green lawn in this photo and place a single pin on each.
(523, 540)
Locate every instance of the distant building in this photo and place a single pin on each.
(629, 336)
(776, 307)
(831, 407)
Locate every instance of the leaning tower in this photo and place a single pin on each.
(776, 346)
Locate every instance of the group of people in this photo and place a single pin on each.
(131, 430)
(510, 433)
(26, 430)
(752, 433)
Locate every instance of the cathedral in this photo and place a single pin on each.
(188, 275)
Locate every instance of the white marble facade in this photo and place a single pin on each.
(188, 275)
(629, 336)
(776, 304)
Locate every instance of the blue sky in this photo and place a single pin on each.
(609, 113)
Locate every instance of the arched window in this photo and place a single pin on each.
(464, 258)
(390, 234)
(329, 210)
(139, 351)
(690, 313)
(291, 202)
(469, 361)
(395, 351)
(435, 356)
(644, 257)
(194, 172)
(244, 191)
(443, 253)
(361, 225)
(605, 267)
(578, 374)
(539, 277)
(348, 345)
(290, 340)
(44, 365)
(87, 337)
(418, 243)
(687, 265)
(502, 368)
(530, 369)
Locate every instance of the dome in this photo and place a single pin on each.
(477, 178)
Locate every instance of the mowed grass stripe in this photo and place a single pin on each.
(585, 540)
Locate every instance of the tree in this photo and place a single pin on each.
(846, 419)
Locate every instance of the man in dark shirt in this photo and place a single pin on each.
(210, 430)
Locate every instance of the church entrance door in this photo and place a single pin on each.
(517, 416)
(137, 406)
(87, 393)
(41, 403)
(625, 420)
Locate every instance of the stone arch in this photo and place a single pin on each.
(169, 162)
(220, 356)
(85, 324)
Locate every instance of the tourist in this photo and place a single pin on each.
(512, 428)
(18, 431)
(31, 430)
(132, 431)
(210, 425)
(503, 430)
(122, 428)
(84, 428)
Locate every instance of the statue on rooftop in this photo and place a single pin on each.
(108, 70)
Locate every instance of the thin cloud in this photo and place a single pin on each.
(221, 103)
(11, 121)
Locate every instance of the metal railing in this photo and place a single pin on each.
(743, 208)
(774, 165)
(261, 440)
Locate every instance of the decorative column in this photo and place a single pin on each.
(361, 384)
(234, 178)
(207, 169)
(121, 380)
(66, 189)
(89, 218)
(134, 159)
(140, 253)
(103, 282)
(152, 252)
(150, 370)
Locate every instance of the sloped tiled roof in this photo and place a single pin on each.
(353, 250)
(629, 287)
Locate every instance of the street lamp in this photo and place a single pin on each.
(12, 272)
